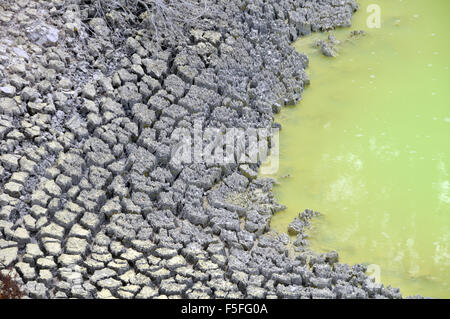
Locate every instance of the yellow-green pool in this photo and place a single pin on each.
(369, 146)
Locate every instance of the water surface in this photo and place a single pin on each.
(369, 146)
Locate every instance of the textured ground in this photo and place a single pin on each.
(91, 205)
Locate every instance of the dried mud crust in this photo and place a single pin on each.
(91, 207)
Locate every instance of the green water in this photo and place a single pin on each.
(369, 147)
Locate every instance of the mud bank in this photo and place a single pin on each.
(91, 204)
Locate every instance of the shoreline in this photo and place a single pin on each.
(91, 205)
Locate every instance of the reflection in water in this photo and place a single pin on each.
(368, 147)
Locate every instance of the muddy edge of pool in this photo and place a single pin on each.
(91, 205)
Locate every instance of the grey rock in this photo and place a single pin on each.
(43, 35)
(143, 115)
(80, 232)
(21, 236)
(14, 189)
(76, 246)
(52, 246)
(46, 263)
(8, 91)
(36, 290)
(99, 26)
(170, 287)
(19, 177)
(155, 67)
(51, 188)
(147, 293)
(9, 107)
(68, 260)
(34, 251)
(328, 51)
(89, 91)
(110, 284)
(65, 218)
(27, 272)
(52, 231)
(29, 223)
(126, 76)
(29, 94)
(131, 255)
(8, 256)
(90, 221)
(176, 262)
(120, 266)
(45, 276)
